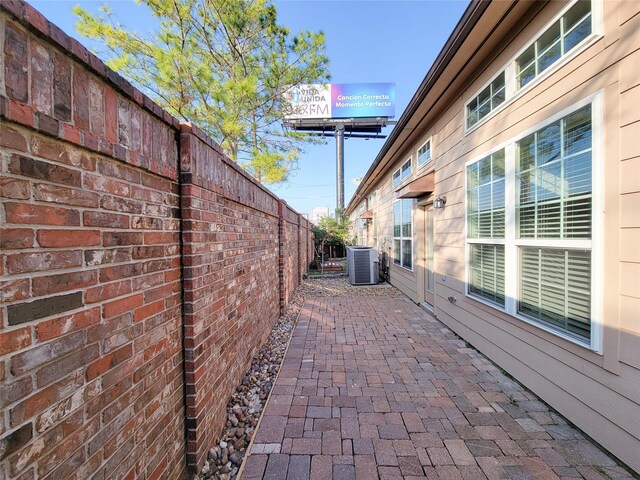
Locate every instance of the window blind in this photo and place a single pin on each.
(554, 179)
(555, 288)
(485, 197)
(487, 272)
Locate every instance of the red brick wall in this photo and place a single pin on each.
(106, 201)
(289, 255)
(230, 242)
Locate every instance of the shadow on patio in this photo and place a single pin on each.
(372, 386)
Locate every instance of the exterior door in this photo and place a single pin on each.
(429, 281)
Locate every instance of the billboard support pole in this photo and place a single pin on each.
(339, 171)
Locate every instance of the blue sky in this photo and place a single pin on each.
(367, 42)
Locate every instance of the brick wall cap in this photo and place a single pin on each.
(190, 128)
(32, 19)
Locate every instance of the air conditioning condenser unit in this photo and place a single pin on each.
(362, 265)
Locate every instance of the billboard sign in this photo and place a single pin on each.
(341, 100)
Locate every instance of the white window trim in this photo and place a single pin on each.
(512, 244)
(428, 162)
(372, 199)
(399, 169)
(511, 93)
(507, 84)
(401, 237)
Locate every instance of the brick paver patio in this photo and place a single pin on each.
(374, 387)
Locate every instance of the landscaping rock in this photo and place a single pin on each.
(247, 402)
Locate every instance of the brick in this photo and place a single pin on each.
(69, 466)
(12, 138)
(97, 403)
(21, 213)
(80, 98)
(63, 366)
(27, 312)
(15, 69)
(14, 340)
(117, 239)
(122, 305)
(106, 256)
(147, 252)
(393, 432)
(57, 327)
(105, 220)
(148, 310)
(15, 188)
(459, 452)
(13, 290)
(65, 196)
(68, 238)
(147, 282)
(306, 446)
(119, 170)
(154, 238)
(60, 152)
(43, 354)
(43, 261)
(254, 467)
(30, 167)
(71, 134)
(119, 204)
(36, 19)
(104, 184)
(136, 128)
(47, 124)
(124, 123)
(125, 336)
(64, 282)
(439, 456)
(41, 78)
(20, 112)
(299, 467)
(14, 391)
(148, 223)
(111, 114)
(13, 441)
(410, 466)
(105, 292)
(483, 448)
(96, 110)
(108, 361)
(118, 272)
(61, 88)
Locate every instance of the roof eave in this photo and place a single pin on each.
(465, 25)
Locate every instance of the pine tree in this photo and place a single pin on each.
(223, 65)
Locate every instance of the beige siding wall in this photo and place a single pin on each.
(598, 392)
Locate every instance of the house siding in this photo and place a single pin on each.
(597, 392)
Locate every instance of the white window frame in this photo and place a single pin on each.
(371, 199)
(513, 244)
(512, 93)
(472, 99)
(401, 237)
(430, 159)
(402, 177)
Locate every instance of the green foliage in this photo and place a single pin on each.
(224, 65)
(330, 231)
